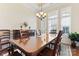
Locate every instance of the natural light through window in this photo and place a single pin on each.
(66, 20)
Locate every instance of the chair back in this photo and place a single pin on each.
(4, 40)
(57, 43)
(16, 34)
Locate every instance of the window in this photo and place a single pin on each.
(64, 16)
(53, 24)
(43, 26)
(66, 20)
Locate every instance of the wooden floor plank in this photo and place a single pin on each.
(75, 51)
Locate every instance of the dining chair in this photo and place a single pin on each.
(4, 41)
(5, 46)
(56, 50)
(16, 34)
(58, 36)
(32, 32)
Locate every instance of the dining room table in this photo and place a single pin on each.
(31, 46)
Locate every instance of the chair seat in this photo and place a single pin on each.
(46, 52)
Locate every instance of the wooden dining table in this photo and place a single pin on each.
(33, 45)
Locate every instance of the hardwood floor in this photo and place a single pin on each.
(75, 52)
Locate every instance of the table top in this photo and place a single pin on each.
(33, 44)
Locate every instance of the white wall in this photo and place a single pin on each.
(75, 18)
(12, 15)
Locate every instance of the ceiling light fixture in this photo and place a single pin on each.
(41, 15)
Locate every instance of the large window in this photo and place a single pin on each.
(64, 16)
(53, 23)
(66, 20)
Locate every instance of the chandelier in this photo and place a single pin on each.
(41, 15)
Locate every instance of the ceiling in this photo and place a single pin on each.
(35, 7)
(29, 9)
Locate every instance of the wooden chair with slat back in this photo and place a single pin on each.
(16, 34)
(52, 52)
(4, 41)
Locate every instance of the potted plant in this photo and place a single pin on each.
(24, 25)
(73, 37)
(77, 35)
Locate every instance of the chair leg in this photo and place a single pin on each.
(11, 50)
(49, 46)
(59, 50)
